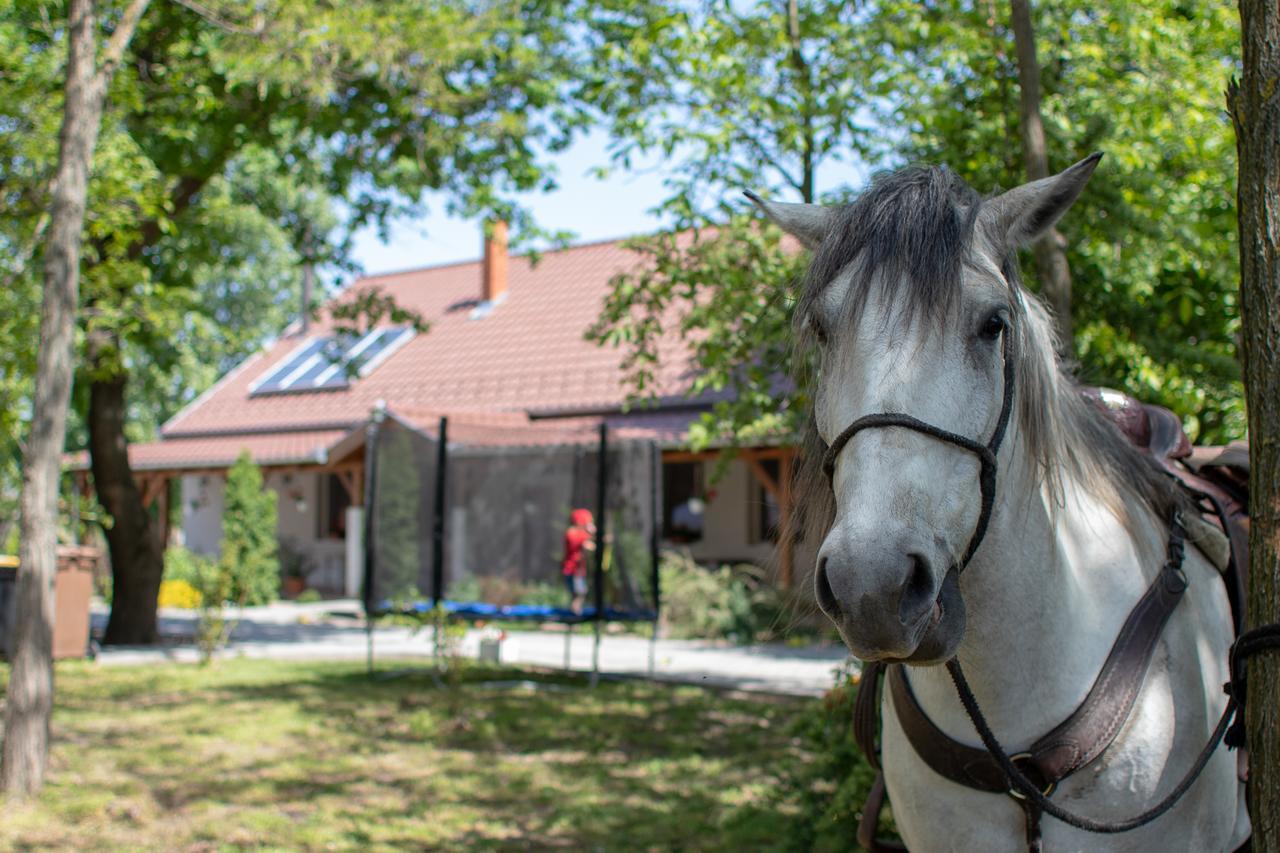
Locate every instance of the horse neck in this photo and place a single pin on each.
(1045, 596)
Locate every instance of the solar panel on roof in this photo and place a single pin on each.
(332, 361)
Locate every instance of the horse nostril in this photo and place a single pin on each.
(826, 598)
(917, 593)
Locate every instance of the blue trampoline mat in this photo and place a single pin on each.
(526, 612)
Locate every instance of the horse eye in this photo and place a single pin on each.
(994, 326)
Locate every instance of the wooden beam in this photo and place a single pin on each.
(689, 455)
(786, 541)
(762, 476)
(705, 455)
(347, 478)
(151, 486)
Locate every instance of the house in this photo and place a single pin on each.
(505, 340)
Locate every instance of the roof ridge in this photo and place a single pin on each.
(590, 244)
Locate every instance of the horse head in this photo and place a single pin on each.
(920, 334)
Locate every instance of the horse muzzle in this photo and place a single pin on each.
(889, 605)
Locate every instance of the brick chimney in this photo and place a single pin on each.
(494, 270)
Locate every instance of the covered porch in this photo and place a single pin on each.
(318, 478)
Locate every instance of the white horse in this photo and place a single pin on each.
(913, 306)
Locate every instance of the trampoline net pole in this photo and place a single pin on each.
(602, 539)
(370, 552)
(438, 515)
(655, 541)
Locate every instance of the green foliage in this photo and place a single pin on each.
(249, 559)
(1151, 244)
(732, 96)
(736, 603)
(243, 138)
(309, 596)
(828, 793)
(181, 564)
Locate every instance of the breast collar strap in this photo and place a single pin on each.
(986, 453)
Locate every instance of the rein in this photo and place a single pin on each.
(1092, 727)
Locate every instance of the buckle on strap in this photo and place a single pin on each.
(1023, 761)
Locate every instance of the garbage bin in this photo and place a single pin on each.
(72, 590)
(8, 603)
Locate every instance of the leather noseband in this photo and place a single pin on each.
(986, 453)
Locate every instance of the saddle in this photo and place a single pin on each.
(1216, 479)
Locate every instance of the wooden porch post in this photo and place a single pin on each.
(780, 491)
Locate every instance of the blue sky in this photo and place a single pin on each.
(590, 207)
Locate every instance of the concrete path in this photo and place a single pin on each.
(334, 630)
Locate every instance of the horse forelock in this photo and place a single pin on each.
(907, 236)
(907, 239)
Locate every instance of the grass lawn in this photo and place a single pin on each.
(315, 755)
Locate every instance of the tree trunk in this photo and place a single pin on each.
(29, 701)
(1051, 258)
(137, 554)
(1255, 110)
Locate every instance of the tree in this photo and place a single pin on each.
(29, 701)
(1051, 258)
(380, 102)
(1255, 111)
(1153, 266)
(250, 552)
(759, 97)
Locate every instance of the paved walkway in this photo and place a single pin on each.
(334, 630)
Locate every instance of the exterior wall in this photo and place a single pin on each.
(727, 528)
(324, 560)
(202, 513)
(299, 505)
(727, 519)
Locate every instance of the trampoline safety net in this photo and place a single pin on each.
(477, 522)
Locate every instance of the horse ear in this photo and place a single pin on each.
(808, 223)
(1023, 214)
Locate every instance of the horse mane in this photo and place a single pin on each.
(913, 230)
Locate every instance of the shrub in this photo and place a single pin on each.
(182, 565)
(827, 793)
(737, 603)
(180, 594)
(309, 596)
(250, 552)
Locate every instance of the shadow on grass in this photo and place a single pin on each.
(318, 754)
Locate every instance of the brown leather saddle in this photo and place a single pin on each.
(1216, 479)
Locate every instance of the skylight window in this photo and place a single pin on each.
(332, 362)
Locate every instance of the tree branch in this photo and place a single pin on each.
(208, 15)
(119, 41)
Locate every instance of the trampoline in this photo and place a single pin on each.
(466, 517)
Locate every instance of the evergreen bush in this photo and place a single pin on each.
(250, 551)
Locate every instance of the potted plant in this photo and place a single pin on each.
(293, 568)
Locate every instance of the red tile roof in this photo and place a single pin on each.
(299, 447)
(527, 353)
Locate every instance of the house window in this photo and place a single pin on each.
(334, 501)
(763, 513)
(683, 501)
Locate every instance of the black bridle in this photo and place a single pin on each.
(1036, 801)
(986, 453)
